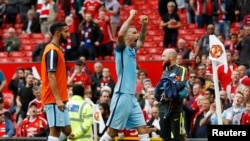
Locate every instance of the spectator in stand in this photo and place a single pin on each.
(246, 20)
(68, 6)
(91, 7)
(113, 7)
(107, 80)
(225, 78)
(38, 50)
(24, 6)
(154, 123)
(12, 42)
(3, 83)
(246, 93)
(81, 116)
(181, 5)
(106, 46)
(190, 13)
(11, 11)
(96, 78)
(162, 7)
(25, 96)
(78, 77)
(33, 125)
(17, 82)
(72, 46)
(105, 110)
(182, 49)
(170, 24)
(47, 15)
(179, 60)
(192, 51)
(31, 23)
(141, 75)
(105, 95)
(2, 11)
(246, 116)
(203, 44)
(85, 68)
(223, 11)
(233, 115)
(241, 9)
(90, 37)
(203, 11)
(40, 109)
(234, 84)
(244, 47)
(7, 127)
(223, 97)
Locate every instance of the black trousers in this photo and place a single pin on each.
(172, 123)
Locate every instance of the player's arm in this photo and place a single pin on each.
(123, 30)
(51, 65)
(51, 62)
(141, 41)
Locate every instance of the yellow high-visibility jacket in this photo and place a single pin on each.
(81, 118)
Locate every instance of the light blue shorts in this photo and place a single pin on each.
(125, 112)
(55, 117)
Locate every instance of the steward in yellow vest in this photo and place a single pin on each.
(80, 113)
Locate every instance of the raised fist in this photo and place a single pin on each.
(144, 19)
(132, 12)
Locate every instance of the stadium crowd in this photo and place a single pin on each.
(93, 26)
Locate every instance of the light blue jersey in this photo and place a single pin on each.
(125, 60)
(125, 110)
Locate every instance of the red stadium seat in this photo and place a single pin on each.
(6, 60)
(16, 54)
(3, 54)
(156, 50)
(143, 57)
(27, 53)
(184, 31)
(27, 47)
(141, 51)
(192, 26)
(199, 31)
(37, 36)
(24, 36)
(20, 60)
(26, 41)
(156, 57)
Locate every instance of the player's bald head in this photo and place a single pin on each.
(170, 52)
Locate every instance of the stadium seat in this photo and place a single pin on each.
(24, 36)
(153, 50)
(143, 57)
(192, 26)
(3, 54)
(149, 44)
(37, 36)
(156, 57)
(184, 31)
(27, 47)
(199, 31)
(27, 53)
(20, 60)
(6, 60)
(141, 51)
(26, 41)
(16, 54)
